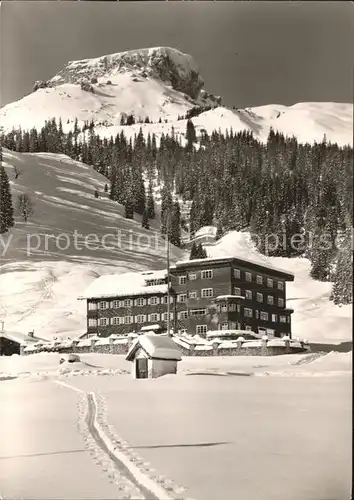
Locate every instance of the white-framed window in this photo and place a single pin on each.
(238, 308)
(224, 326)
(140, 301)
(282, 319)
(281, 302)
(140, 318)
(182, 315)
(248, 276)
(274, 318)
(182, 280)
(104, 304)
(92, 306)
(182, 331)
(223, 308)
(154, 301)
(259, 279)
(248, 328)
(248, 294)
(128, 320)
(193, 294)
(270, 300)
(259, 297)
(182, 297)
(192, 276)
(264, 316)
(165, 316)
(237, 291)
(248, 312)
(257, 314)
(288, 318)
(128, 303)
(201, 329)
(92, 322)
(116, 320)
(232, 307)
(280, 285)
(154, 317)
(207, 274)
(207, 292)
(104, 321)
(197, 312)
(269, 282)
(115, 304)
(237, 273)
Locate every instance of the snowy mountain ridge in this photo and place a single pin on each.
(163, 85)
(164, 63)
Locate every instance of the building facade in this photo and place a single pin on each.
(205, 294)
(230, 294)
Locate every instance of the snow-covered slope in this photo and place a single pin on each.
(164, 83)
(41, 279)
(72, 238)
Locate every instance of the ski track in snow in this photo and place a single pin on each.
(134, 477)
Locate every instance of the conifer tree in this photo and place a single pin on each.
(166, 207)
(151, 202)
(129, 200)
(219, 231)
(6, 208)
(175, 226)
(194, 252)
(342, 290)
(145, 221)
(191, 136)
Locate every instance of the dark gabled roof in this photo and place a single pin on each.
(267, 269)
(156, 347)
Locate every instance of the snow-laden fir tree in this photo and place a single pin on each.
(6, 208)
(166, 207)
(175, 226)
(151, 202)
(342, 290)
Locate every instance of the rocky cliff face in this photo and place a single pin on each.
(164, 63)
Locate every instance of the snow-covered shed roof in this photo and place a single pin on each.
(19, 337)
(150, 328)
(126, 285)
(156, 347)
(232, 258)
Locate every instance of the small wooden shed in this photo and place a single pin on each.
(153, 356)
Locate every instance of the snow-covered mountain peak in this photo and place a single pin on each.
(166, 64)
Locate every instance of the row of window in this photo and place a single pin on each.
(264, 316)
(141, 301)
(208, 274)
(259, 279)
(204, 293)
(129, 320)
(259, 297)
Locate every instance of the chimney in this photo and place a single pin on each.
(31, 334)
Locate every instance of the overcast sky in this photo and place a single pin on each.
(250, 53)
